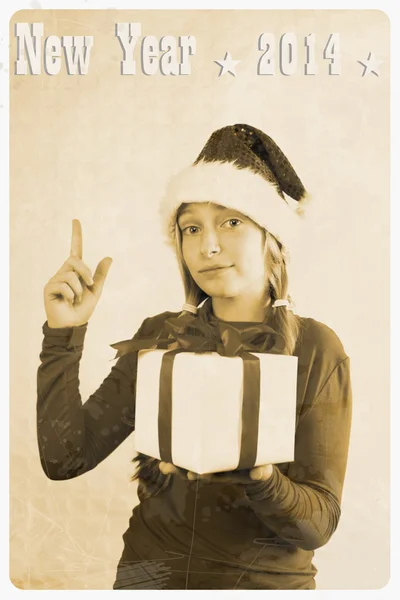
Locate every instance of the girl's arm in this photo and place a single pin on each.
(73, 438)
(303, 507)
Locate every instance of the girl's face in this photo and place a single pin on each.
(223, 250)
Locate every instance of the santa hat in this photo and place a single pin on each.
(242, 168)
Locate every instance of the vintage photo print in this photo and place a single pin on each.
(199, 298)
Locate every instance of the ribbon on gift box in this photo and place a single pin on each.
(195, 334)
(191, 333)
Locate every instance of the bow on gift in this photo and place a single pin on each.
(193, 333)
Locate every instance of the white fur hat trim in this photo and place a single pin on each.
(242, 190)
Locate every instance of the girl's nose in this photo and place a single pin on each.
(210, 245)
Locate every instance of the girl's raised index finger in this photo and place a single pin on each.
(76, 241)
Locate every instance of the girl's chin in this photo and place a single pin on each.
(220, 291)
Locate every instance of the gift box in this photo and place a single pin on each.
(208, 413)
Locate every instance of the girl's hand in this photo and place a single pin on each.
(71, 296)
(245, 476)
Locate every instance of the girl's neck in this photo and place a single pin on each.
(240, 309)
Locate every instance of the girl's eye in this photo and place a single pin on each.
(190, 230)
(233, 222)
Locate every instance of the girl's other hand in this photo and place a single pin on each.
(244, 476)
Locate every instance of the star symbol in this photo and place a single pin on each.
(227, 65)
(371, 64)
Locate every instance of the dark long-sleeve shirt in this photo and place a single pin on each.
(197, 535)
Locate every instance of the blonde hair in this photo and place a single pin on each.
(281, 319)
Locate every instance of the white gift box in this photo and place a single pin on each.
(206, 419)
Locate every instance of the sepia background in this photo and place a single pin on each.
(100, 148)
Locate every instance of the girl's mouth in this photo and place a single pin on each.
(217, 269)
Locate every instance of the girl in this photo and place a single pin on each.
(231, 216)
